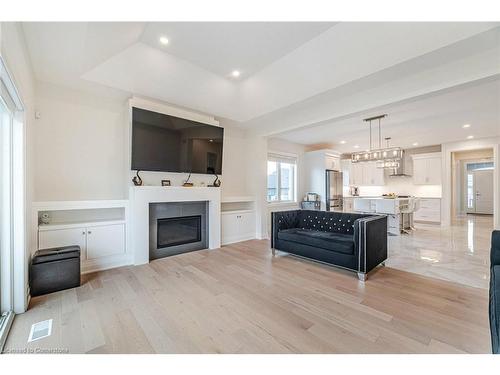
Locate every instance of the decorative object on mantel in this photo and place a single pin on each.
(216, 182)
(386, 158)
(165, 182)
(137, 180)
(45, 218)
(187, 183)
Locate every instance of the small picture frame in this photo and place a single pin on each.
(165, 182)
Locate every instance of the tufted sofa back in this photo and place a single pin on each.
(336, 222)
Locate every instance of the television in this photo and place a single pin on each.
(172, 144)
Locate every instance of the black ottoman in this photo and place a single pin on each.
(54, 269)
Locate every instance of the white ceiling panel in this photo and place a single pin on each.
(221, 47)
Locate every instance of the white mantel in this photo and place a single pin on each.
(142, 196)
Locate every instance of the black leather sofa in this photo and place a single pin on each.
(495, 292)
(353, 241)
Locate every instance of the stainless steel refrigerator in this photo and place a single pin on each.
(334, 190)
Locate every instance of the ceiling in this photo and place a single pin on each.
(429, 120)
(294, 75)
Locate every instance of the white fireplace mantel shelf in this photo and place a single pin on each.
(142, 196)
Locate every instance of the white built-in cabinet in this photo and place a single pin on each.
(96, 240)
(97, 227)
(366, 174)
(238, 219)
(427, 169)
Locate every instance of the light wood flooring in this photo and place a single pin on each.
(239, 299)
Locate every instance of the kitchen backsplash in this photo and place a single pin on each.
(399, 185)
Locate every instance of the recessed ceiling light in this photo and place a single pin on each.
(164, 40)
(415, 143)
(466, 126)
(356, 146)
(470, 137)
(342, 142)
(235, 73)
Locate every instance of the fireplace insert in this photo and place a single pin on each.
(175, 231)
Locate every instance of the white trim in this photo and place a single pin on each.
(154, 106)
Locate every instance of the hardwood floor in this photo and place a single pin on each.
(239, 299)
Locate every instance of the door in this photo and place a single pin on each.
(63, 237)
(480, 192)
(105, 240)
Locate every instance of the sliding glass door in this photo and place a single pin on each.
(12, 231)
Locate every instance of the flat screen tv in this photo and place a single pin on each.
(171, 144)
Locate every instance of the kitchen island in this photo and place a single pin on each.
(399, 211)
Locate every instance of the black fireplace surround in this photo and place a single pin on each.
(177, 227)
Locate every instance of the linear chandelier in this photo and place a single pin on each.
(386, 158)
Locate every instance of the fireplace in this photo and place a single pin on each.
(177, 227)
(175, 231)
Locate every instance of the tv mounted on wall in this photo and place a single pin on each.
(171, 144)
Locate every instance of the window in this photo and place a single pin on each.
(281, 178)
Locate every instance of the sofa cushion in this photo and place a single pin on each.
(495, 308)
(340, 243)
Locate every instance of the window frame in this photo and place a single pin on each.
(285, 158)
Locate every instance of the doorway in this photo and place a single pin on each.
(473, 183)
(479, 189)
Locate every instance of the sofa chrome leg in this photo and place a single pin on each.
(362, 276)
(273, 251)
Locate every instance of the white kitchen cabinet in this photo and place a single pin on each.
(427, 169)
(96, 240)
(366, 174)
(105, 240)
(332, 162)
(237, 226)
(429, 210)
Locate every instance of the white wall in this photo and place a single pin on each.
(80, 145)
(15, 55)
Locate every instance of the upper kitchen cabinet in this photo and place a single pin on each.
(332, 162)
(427, 169)
(366, 174)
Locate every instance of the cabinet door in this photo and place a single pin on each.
(434, 171)
(105, 240)
(420, 168)
(357, 174)
(246, 224)
(63, 237)
(229, 224)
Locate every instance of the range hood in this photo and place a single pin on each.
(401, 170)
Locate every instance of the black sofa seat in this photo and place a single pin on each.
(495, 292)
(354, 241)
(341, 243)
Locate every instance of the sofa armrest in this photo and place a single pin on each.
(281, 220)
(370, 238)
(495, 248)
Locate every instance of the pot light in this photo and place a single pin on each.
(164, 40)
(465, 126)
(415, 143)
(470, 137)
(356, 146)
(342, 142)
(235, 73)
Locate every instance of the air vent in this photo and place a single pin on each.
(40, 330)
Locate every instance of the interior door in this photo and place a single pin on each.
(483, 190)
